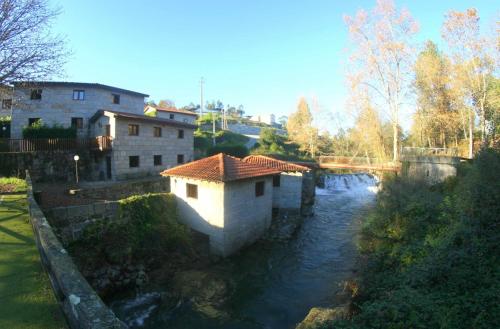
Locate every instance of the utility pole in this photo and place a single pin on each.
(202, 81)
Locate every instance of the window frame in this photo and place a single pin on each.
(156, 157)
(171, 116)
(5, 102)
(276, 180)
(131, 162)
(191, 191)
(132, 131)
(115, 99)
(32, 121)
(181, 157)
(260, 188)
(77, 120)
(80, 94)
(180, 134)
(36, 94)
(155, 130)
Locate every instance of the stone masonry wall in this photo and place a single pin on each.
(80, 304)
(145, 145)
(57, 106)
(430, 169)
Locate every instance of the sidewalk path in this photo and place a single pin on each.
(26, 298)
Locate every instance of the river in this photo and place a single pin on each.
(277, 281)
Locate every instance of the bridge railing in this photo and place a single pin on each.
(325, 159)
(429, 151)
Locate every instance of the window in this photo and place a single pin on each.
(6, 103)
(77, 123)
(36, 93)
(133, 130)
(259, 189)
(171, 116)
(116, 98)
(157, 131)
(78, 95)
(180, 133)
(157, 160)
(192, 191)
(277, 180)
(107, 129)
(180, 158)
(133, 161)
(33, 121)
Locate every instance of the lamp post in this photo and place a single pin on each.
(76, 158)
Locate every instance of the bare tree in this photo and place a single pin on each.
(382, 58)
(474, 65)
(28, 49)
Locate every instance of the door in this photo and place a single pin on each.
(108, 130)
(108, 167)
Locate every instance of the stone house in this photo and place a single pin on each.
(288, 186)
(225, 198)
(130, 144)
(142, 145)
(171, 113)
(6, 101)
(68, 104)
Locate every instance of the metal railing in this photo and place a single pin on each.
(429, 151)
(99, 143)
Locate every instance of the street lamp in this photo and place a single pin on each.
(76, 158)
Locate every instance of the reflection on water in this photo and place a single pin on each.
(275, 283)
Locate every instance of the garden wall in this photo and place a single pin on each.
(81, 305)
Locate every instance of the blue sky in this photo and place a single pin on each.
(261, 54)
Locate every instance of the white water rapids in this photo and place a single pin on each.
(351, 184)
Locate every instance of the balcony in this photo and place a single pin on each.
(99, 143)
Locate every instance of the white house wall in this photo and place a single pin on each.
(289, 194)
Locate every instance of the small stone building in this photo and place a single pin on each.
(287, 187)
(225, 198)
(171, 113)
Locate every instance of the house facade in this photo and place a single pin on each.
(288, 186)
(170, 113)
(225, 198)
(130, 144)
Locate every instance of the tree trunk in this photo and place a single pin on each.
(471, 134)
(395, 136)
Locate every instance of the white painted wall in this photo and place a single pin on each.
(289, 194)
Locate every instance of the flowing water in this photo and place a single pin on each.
(277, 281)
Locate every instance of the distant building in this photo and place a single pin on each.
(131, 144)
(225, 198)
(269, 119)
(287, 187)
(171, 113)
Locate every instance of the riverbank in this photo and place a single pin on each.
(26, 298)
(432, 255)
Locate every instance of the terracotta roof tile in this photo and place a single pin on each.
(220, 168)
(269, 162)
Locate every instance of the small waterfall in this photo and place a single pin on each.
(134, 312)
(348, 183)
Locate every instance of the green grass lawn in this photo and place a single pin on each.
(26, 298)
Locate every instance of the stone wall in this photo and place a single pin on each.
(80, 304)
(428, 168)
(70, 222)
(46, 166)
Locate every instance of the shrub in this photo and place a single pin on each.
(12, 184)
(432, 253)
(40, 130)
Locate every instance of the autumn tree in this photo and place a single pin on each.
(167, 104)
(381, 58)
(473, 63)
(28, 49)
(436, 120)
(300, 128)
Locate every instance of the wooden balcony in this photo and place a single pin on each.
(99, 143)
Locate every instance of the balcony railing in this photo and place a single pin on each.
(99, 143)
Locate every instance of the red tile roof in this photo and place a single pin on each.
(220, 168)
(173, 110)
(269, 162)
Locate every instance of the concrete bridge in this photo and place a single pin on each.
(357, 163)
